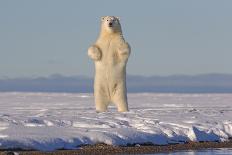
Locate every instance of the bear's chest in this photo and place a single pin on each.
(109, 50)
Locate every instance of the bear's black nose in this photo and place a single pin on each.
(110, 24)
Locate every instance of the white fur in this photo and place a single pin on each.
(110, 54)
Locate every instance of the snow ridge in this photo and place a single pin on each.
(50, 121)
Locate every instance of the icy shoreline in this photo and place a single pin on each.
(50, 121)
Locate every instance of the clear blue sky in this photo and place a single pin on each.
(43, 37)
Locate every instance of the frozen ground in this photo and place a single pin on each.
(48, 121)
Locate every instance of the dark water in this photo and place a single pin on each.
(223, 151)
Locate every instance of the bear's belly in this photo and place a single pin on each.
(110, 71)
(108, 77)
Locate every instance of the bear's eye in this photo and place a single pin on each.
(107, 20)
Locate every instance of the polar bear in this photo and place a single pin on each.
(110, 54)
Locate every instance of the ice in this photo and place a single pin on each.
(50, 121)
(218, 151)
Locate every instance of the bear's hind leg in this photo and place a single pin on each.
(101, 103)
(120, 99)
(101, 100)
(121, 104)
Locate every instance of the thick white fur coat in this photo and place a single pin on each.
(110, 54)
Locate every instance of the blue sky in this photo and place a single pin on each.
(43, 37)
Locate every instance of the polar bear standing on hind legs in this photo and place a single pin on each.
(110, 54)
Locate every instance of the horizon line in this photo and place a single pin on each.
(131, 75)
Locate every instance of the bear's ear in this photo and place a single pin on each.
(118, 18)
(102, 18)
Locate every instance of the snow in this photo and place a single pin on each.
(49, 121)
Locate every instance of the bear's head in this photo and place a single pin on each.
(111, 24)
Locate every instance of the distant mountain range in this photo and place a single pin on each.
(204, 83)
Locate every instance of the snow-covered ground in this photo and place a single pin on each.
(48, 121)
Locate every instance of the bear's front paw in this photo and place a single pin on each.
(94, 53)
(124, 50)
